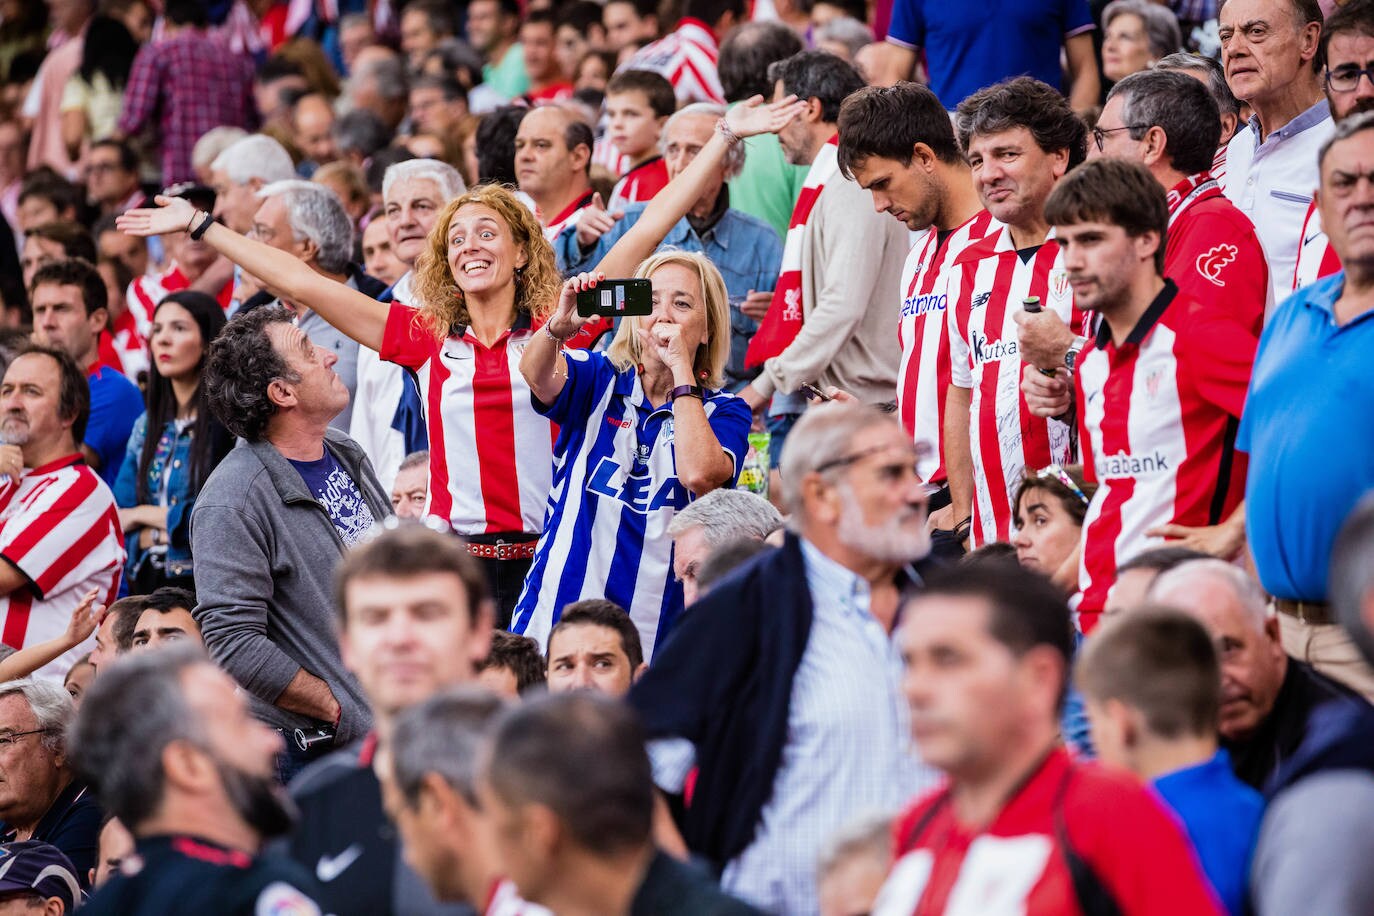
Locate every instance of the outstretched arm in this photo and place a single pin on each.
(359, 316)
(672, 203)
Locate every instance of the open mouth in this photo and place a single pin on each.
(472, 267)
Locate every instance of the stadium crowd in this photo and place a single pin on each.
(612, 458)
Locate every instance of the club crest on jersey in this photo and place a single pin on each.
(1211, 263)
(612, 481)
(1059, 284)
(1152, 384)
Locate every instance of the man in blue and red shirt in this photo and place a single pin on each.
(1020, 826)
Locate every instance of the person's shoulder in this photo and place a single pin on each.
(233, 479)
(752, 223)
(1137, 812)
(672, 887)
(330, 774)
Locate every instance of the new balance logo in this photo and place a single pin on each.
(1211, 263)
(1124, 465)
(979, 300)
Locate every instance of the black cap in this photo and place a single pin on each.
(40, 868)
(202, 197)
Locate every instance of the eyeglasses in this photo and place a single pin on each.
(1100, 134)
(1347, 79)
(1059, 474)
(922, 449)
(10, 740)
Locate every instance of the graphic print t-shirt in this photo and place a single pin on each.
(330, 484)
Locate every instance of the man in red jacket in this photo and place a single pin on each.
(1020, 827)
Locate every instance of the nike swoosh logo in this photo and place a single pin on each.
(448, 355)
(330, 867)
(1308, 240)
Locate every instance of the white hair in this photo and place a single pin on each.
(256, 156)
(845, 30)
(821, 437)
(450, 183)
(734, 157)
(213, 142)
(314, 212)
(726, 515)
(1242, 586)
(51, 705)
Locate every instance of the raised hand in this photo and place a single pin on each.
(85, 617)
(565, 322)
(755, 116)
(172, 214)
(595, 222)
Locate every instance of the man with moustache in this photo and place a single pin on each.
(797, 722)
(173, 752)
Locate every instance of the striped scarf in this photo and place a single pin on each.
(784, 318)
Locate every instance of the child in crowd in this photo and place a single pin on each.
(638, 103)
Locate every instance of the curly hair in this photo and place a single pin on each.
(537, 284)
(712, 354)
(242, 363)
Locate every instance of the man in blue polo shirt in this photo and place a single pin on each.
(1309, 417)
(68, 299)
(971, 45)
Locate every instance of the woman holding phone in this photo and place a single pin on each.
(643, 429)
(485, 283)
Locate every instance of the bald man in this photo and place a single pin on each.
(553, 152)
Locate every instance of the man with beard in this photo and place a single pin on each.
(1160, 386)
(173, 752)
(798, 720)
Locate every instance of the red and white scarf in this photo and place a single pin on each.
(784, 319)
(1196, 187)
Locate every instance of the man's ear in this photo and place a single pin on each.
(99, 320)
(281, 393)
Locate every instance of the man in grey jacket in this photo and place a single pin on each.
(270, 525)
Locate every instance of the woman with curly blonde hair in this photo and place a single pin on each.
(485, 283)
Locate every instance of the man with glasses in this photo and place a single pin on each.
(1348, 49)
(1160, 386)
(798, 721)
(1270, 51)
(41, 796)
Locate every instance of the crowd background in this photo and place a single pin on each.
(980, 520)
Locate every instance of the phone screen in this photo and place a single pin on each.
(616, 298)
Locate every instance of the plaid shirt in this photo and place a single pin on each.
(189, 84)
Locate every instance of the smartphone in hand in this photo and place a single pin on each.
(616, 299)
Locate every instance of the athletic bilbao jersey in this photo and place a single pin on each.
(491, 455)
(639, 184)
(147, 291)
(615, 491)
(1316, 257)
(1213, 253)
(686, 57)
(923, 331)
(1004, 436)
(1158, 417)
(1019, 864)
(59, 527)
(568, 218)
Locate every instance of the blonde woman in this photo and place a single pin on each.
(485, 283)
(643, 429)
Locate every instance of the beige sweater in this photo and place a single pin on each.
(852, 262)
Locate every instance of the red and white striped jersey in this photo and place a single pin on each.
(686, 57)
(148, 290)
(127, 345)
(59, 527)
(923, 331)
(490, 453)
(505, 900)
(1157, 418)
(569, 217)
(992, 279)
(639, 184)
(605, 154)
(1316, 257)
(1219, 166)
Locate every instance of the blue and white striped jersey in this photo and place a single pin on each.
(615, 491)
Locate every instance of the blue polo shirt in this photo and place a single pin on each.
(1222, 816)
(972, 45)
(1308, 426)
(116, 403)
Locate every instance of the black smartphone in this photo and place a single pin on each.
(616, 298)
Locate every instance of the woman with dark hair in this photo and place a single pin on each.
(1049, 507)
(163, 473)
(93, 96)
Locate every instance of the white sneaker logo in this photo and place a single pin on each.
(330, 867)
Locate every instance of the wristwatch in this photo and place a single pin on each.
(1071, 357)
(694, 391)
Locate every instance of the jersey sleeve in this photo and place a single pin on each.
(407, 340)
(730, 421)
(1078, 18)
(907, 28)
(960, 373)
(588, 374)
(68, 512)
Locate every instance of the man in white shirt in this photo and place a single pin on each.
(1269, 49)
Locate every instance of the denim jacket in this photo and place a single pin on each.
(176, 448)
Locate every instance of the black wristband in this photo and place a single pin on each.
(196, 233)
(688, 390)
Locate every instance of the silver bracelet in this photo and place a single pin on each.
(554, 337)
